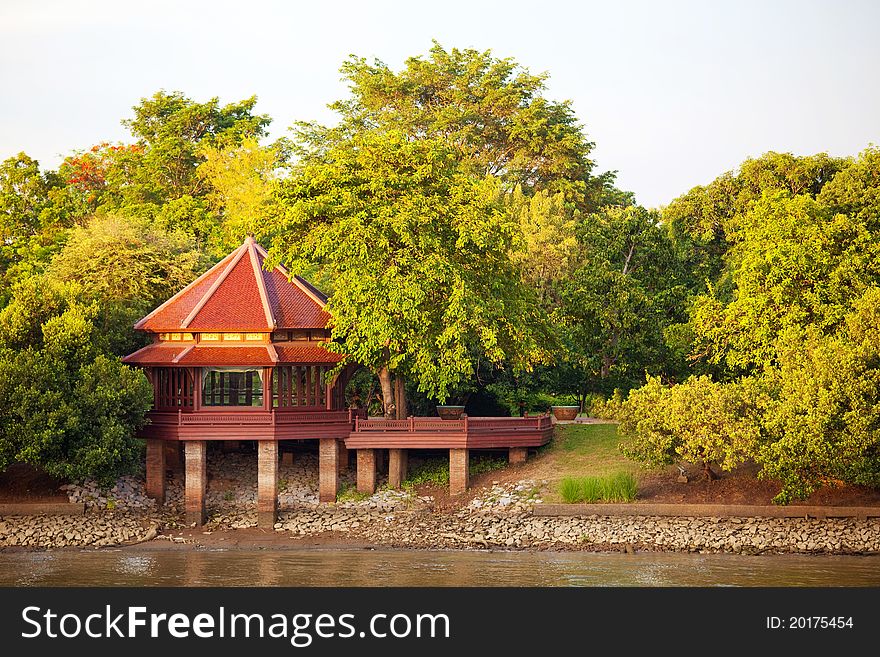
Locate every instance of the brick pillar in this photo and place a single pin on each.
(343, 458)
(458, 471)
(286, 458)
(366, 474)
(267, 483)
(517, 454)
(156, 470)
(328, 470)
(196, 481)
(396, 467)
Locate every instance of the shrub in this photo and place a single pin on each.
(618, 487)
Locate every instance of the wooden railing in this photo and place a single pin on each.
(428, 424)
(253, 418)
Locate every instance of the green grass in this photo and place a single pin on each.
(350, 493)
(435, 470)
(589, 449)
(617, 487)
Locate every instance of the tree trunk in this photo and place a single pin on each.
(387, 393)
(400, 398)
(708, 472)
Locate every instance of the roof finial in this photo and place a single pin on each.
(249, 238)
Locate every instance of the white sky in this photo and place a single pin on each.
(672, 93)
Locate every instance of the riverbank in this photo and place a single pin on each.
(503, 510)
(464, 530)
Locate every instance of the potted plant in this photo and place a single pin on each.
(565, 413)
(450, 412)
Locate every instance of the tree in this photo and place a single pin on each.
(420, 255)
(491, 112)
(822, 421)
(128, 265)
(68, 408)
(615, 305)
(796, 261)
(241, 177)
(697, 421)
(704, 222)
(31, 220)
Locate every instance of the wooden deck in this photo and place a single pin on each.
(434, 433)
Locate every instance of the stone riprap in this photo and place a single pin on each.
(496, 517)
(95, 530)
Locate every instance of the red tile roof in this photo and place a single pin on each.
(308, 354)
(189, 355)
(237, 294)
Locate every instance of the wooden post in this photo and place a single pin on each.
(156, 470)
(396, 467)
(366, 471)
(196, 482)
(287, 458)
(267, 483)
(459, 474)
(328, 470)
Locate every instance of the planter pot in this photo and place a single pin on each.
(450, 412)
(565, 413)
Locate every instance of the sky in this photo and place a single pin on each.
(673, 94)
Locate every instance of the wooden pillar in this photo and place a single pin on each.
(196, 481)
(156, 470)
(231, 446)
(458, 471)
(287, 458)
(328, 470)
(396, 467)
(366, 471)
(343, 458)
(517, 454)
(267, 483)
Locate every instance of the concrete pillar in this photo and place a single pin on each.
(287, 458)
(396, 467)
(343, 458)
(156, 470)
(517, 455)
(366, 474)
(458, 471)
(328, 469)
(267, 483)
(196, 481)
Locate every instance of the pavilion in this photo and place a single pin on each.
(239, 354)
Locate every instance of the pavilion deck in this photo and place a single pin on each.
(435, 433)
(337, 432)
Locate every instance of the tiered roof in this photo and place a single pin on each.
(238, 296)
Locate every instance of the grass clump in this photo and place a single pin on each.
(350, 493)
(431, 471)
(617, 487)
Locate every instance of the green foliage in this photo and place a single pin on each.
(349, 493)
(697, 421)
(822, 419)
(615, 305)
(482, 463)
(491, 112)
(617, 487)
(420, 255)
(67, 407)
(433, 471)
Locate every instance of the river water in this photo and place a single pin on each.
(314, 567)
